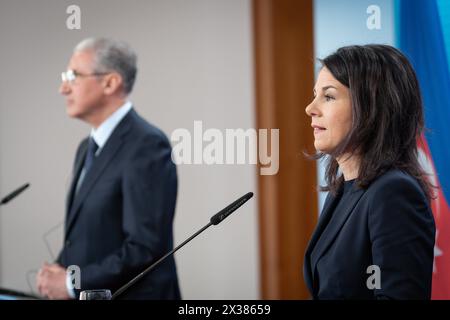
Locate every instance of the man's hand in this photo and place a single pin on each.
(51, 281)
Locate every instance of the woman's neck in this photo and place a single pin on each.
(349, 166)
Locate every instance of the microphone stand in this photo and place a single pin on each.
(143, 273)
(215, 220)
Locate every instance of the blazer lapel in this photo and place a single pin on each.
(329, 234)
(76, 175)
(110, 149)
(327, 211)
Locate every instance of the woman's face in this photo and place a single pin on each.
(330, 112)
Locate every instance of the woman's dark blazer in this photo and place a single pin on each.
(388, 226)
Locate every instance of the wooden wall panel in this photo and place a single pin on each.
(284, 74)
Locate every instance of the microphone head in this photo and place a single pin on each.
(14, 194)
(222, 214)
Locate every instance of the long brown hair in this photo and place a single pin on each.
(387, 114)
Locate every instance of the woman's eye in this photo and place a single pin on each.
(328, 98)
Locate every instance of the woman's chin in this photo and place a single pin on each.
(320, 147)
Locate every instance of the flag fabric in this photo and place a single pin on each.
(421, 37)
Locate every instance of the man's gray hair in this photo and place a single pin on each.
(112, 55)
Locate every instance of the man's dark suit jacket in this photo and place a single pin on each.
(120, 221)
(390, 225)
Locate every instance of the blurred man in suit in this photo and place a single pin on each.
(121, 203)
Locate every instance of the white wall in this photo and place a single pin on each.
(195, 63)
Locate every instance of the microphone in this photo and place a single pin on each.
(14, 194)
(215, 220)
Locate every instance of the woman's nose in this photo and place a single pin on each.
(310, 109)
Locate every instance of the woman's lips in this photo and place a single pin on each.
(318, 129)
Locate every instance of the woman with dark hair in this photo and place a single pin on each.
(375, 236)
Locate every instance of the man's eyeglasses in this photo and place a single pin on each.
(70, 75)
